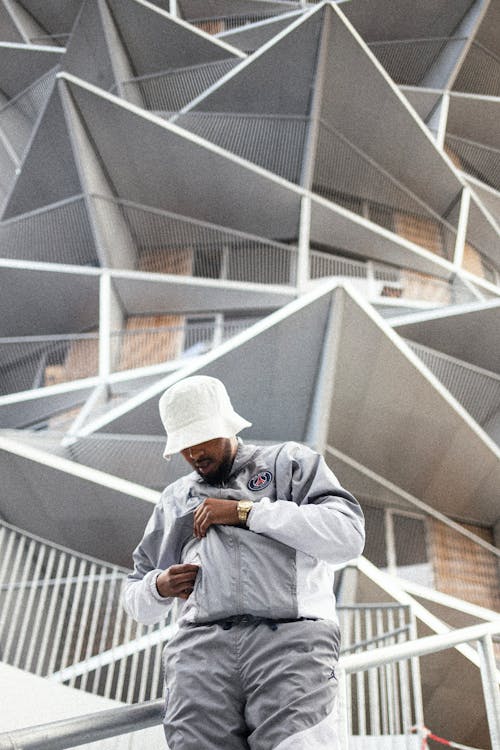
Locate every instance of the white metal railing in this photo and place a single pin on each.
(478, 159)
(60, 617)
(114, 722)
(171, 243)
(58, 233)
(59, 609)
(218, 24)
(29, 362)
(274, 142)
(142, 347)
(343, 173)
(387, 700)
(413, 541)
(376, 280)
(476, 389)
(19, 114)
(392, 656)
(346, 175)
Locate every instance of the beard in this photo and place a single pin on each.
(222, 470)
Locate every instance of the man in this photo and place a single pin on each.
(247, 542)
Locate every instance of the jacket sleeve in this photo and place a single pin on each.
(312, 512)
(140, 596)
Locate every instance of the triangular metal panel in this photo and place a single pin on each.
(392, 416)
(72, 510)
(142, 295)
(285, 349)
(53, 302)
(87, 54)
(8, 29)
(407, 19)
(49, 172)
(250, 38)
(489, 198)
(259, 87)
(470, 333)
(38, 413)
(479, 72)
(165, 43)
(359, 103)
(57, 18)
(339, 232)
(167, 169)
(22, 65)
(423, 102)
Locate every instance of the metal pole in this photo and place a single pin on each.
(489, 678)
(343, 712)
(59, 735)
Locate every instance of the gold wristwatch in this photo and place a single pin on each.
(244, 507)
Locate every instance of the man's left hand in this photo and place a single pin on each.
(214, 510)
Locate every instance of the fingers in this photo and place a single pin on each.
(178, 580)
(212, 511)
(201, 522)
(203, 518)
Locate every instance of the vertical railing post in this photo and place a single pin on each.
(342, 707)
(302, 270)
(443, 120)
(489, 679)
(104, 325)
(371, 281)
(462, 228)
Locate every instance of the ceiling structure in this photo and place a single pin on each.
(299, 198)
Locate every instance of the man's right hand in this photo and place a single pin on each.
(178, 580)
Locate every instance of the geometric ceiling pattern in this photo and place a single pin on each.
(164, 194)
(300, 198)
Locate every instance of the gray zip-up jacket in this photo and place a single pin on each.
(302, 525)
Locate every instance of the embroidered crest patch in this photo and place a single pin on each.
(260, 481)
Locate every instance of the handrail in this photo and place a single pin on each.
(58, 735)
(68, 733)
(420, 647)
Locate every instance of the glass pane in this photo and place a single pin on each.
(375, 548)
(409, 539)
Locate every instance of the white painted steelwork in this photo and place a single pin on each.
(19, 115)
(58, 233)
(408, 61)
(112, 723)
(60, 615)
(31, 362)
(476, 389)
(171, 90)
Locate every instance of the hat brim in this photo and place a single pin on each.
(202, 430)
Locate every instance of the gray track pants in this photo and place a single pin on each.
(251, 687)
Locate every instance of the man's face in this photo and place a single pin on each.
(212, 459)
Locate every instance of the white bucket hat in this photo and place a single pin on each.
(195, 410)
